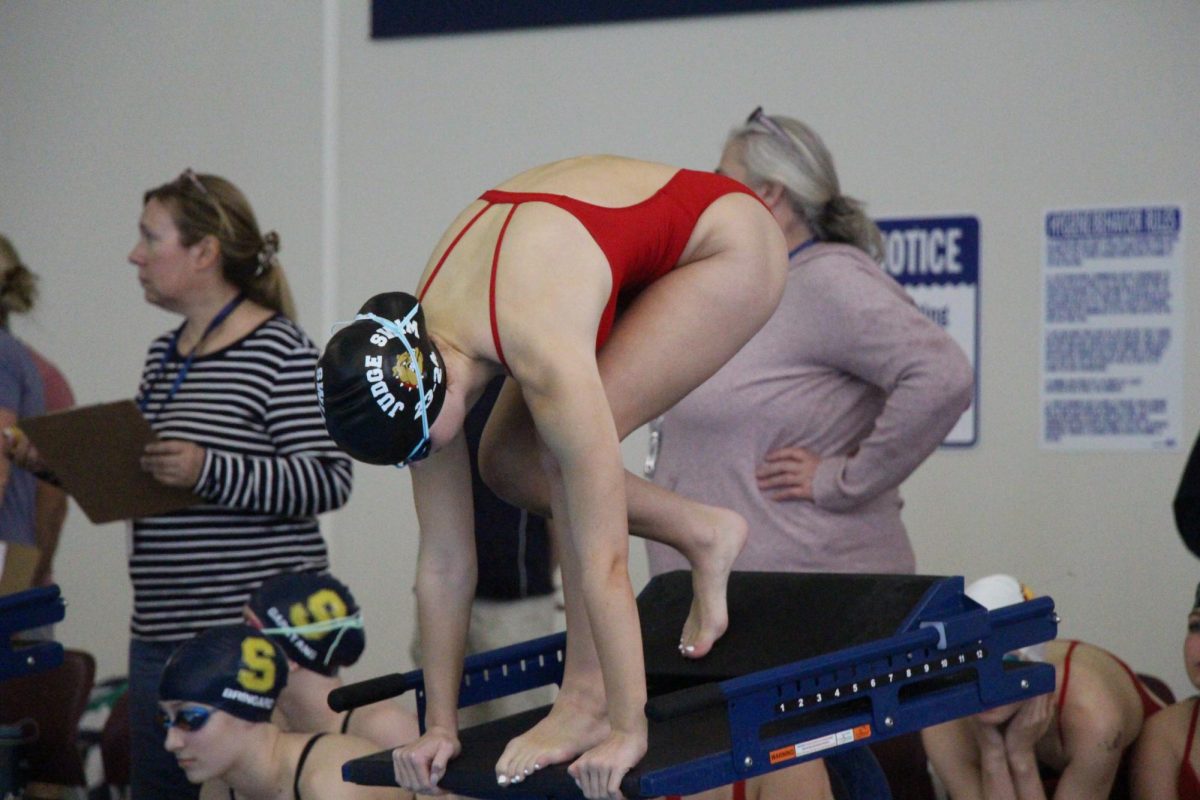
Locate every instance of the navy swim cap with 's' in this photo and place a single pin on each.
(231, 667)
(313, 618)
(381, 382)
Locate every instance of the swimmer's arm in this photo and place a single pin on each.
(1090, 772)
(1087, 779)
(1096, 734)
(387, 723)
(1158, 755)
(561, 384)
(1022, 732)
(446, 575)
(955, 758)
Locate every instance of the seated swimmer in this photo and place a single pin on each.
(216, 696)
(1068, 744)
(315, 621)
(1166, 765)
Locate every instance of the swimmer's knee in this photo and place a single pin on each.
(512, 477)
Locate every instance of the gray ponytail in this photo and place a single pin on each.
(843, 219)
(803, 166)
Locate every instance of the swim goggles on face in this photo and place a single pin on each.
(187, 719)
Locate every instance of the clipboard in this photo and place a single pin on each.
(95, 451)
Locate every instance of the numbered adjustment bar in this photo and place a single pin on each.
(508, 670)
(809, 709)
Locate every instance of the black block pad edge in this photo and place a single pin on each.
(554, 783)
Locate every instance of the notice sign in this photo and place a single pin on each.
(1112, 327)
(936, 259)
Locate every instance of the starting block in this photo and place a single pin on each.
(812, 664)
(23, 611)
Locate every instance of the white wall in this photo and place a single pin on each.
(997, 109)
(99, 102)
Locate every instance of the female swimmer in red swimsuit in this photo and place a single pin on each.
(1165, 759)
(1070, 744)
(529, 280)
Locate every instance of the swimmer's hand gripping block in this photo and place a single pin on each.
(22, 611)
(811, 665)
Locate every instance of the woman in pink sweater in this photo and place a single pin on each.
(810, 429)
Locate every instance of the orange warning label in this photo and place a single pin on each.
(820, 743)
(783, 754)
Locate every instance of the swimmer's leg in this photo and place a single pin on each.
(675, 335)
(578, 721)
(709, 537)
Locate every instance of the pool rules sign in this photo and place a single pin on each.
(1112, 328)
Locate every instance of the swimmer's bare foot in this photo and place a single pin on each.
(574, 725)
(718, 544)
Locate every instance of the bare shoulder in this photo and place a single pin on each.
(322, 774)
(337, 748)
(1097, 681)
(1099, 673)
(1172, 723)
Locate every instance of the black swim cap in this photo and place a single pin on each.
(381, 382)
(313, 618)
(231, 667)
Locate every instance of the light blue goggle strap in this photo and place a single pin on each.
(341, 625)
(397, 329)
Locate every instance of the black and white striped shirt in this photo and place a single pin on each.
(269, 469)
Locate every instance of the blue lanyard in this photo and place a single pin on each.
(807, 243)
(187, 362)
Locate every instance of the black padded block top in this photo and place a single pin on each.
(673, 744)
(472, 773)
(775, 618)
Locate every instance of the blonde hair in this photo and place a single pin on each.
(209, 205)
(18, 285)
(789, 153)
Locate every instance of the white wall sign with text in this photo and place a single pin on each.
(1112, 328)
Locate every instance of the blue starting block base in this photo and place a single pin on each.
(24, 611)
(811, 665)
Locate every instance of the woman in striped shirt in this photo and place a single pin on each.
(230, 395)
